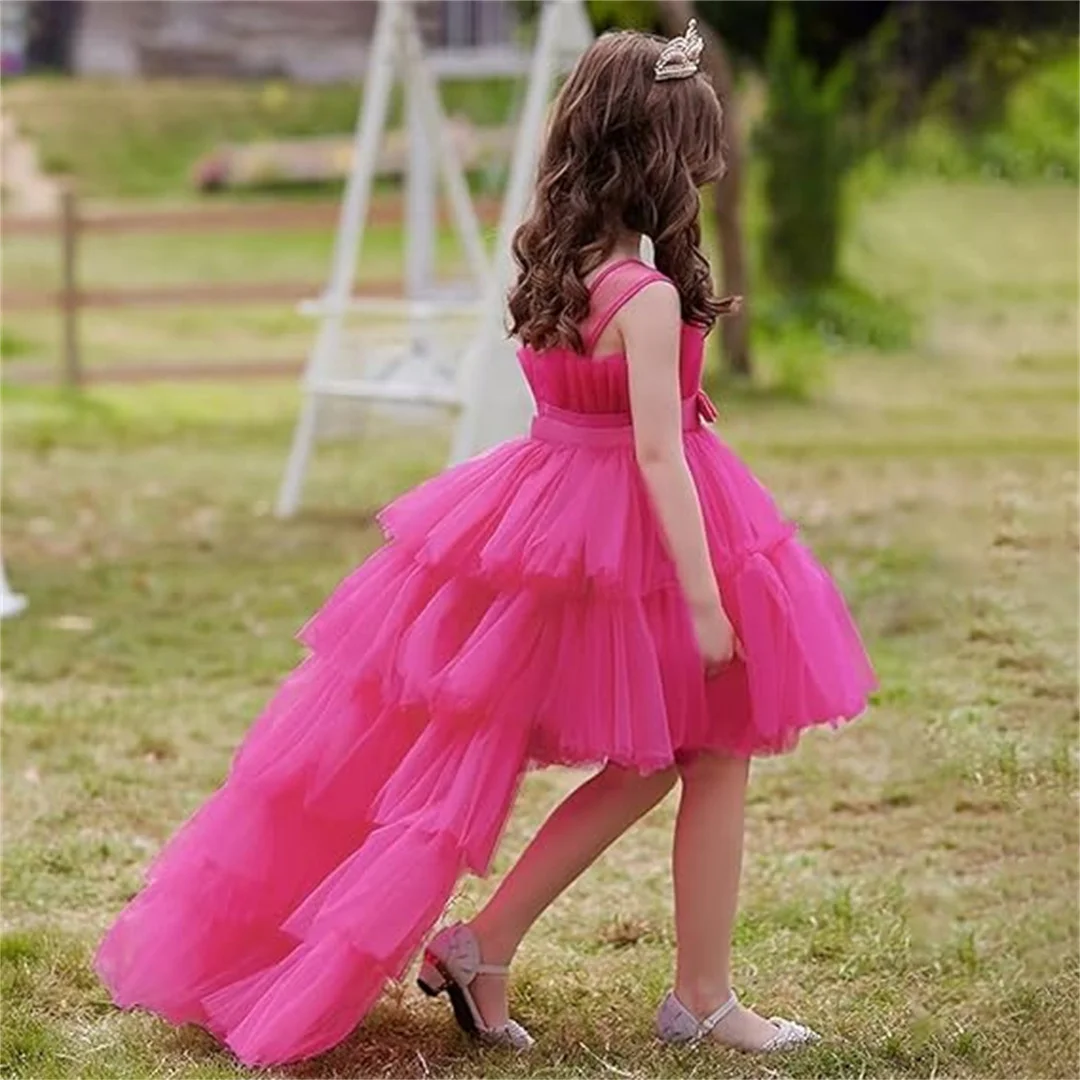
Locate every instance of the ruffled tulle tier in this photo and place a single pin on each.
(524, 611)
(277, 913)
(568, 538)
(576, 520)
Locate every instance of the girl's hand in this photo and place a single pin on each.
(716, 638)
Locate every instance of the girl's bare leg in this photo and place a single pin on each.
(584, 824)
(707, 862)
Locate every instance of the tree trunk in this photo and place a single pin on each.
(727, 192)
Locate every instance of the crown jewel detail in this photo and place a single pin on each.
(680, 56)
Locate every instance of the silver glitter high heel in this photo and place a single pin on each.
(675, 1023)
(451, 963)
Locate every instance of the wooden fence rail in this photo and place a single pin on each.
(73, 223)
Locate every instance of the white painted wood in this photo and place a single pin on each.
(370, 124)
(488, 389)
(420, 203)
(497, 403)
(371, 389)
(398, 307)
(11, 603)
(426, 93)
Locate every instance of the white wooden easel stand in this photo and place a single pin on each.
(487, 390)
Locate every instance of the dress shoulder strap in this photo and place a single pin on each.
(614, 286)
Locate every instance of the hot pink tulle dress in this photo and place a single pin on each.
(523, 612)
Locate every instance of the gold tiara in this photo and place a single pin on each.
(680, 56)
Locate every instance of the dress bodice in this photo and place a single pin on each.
(585, 383)
(600, 384)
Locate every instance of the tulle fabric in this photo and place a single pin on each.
(523, 611)
(275, 916)
(567, 538)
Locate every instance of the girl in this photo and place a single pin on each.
(615, 589)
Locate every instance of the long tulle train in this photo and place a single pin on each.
(507, 622)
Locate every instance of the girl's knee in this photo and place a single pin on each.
(654, 783)
(709, 767)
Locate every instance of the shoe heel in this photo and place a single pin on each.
(430, 979)
(433, 979)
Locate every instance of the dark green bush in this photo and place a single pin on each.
(1032, 134)
(794, 333)
(843, 315)
(12, 345)
(805, 156)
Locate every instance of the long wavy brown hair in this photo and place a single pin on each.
(624, 153)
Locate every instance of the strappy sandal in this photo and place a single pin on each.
(451, 963)
(675, 1023)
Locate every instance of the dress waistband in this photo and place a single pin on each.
(552, 424)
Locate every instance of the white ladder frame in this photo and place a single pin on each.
(488, 383)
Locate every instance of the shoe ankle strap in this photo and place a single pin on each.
(705, 1026)
(492, 969)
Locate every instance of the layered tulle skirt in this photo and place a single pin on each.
(523, 611)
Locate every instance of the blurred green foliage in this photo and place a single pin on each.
(1035, 137)
(12, 344)
(805, 154)
(805, 150)
(625, 14)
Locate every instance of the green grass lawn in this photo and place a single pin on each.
(147, 137)
(911, 883)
